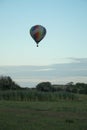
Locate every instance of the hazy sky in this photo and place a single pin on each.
(66, 24)
(30, 76)
(62, 53)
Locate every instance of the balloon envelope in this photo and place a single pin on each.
(37, 32)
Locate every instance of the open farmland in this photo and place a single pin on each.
(46, 115)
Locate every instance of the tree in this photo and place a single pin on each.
(70, 84)
(6, 83)
(44, 86)
(74, 90)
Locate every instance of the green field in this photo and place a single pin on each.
(38, 115)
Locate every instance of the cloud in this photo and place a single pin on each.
(78, 60)
(75, 71)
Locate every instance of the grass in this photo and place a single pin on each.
(38, 115)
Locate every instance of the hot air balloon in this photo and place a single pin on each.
(37, 32)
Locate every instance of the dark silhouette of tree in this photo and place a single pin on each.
(6, 83)
(74, 90)
(44, 86)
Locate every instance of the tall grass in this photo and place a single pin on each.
(33, 95)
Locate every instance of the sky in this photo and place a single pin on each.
(65, 43)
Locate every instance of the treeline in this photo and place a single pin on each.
(6, 83)
(80, 88)
(44, 91)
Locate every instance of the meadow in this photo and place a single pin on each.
(42, 114)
